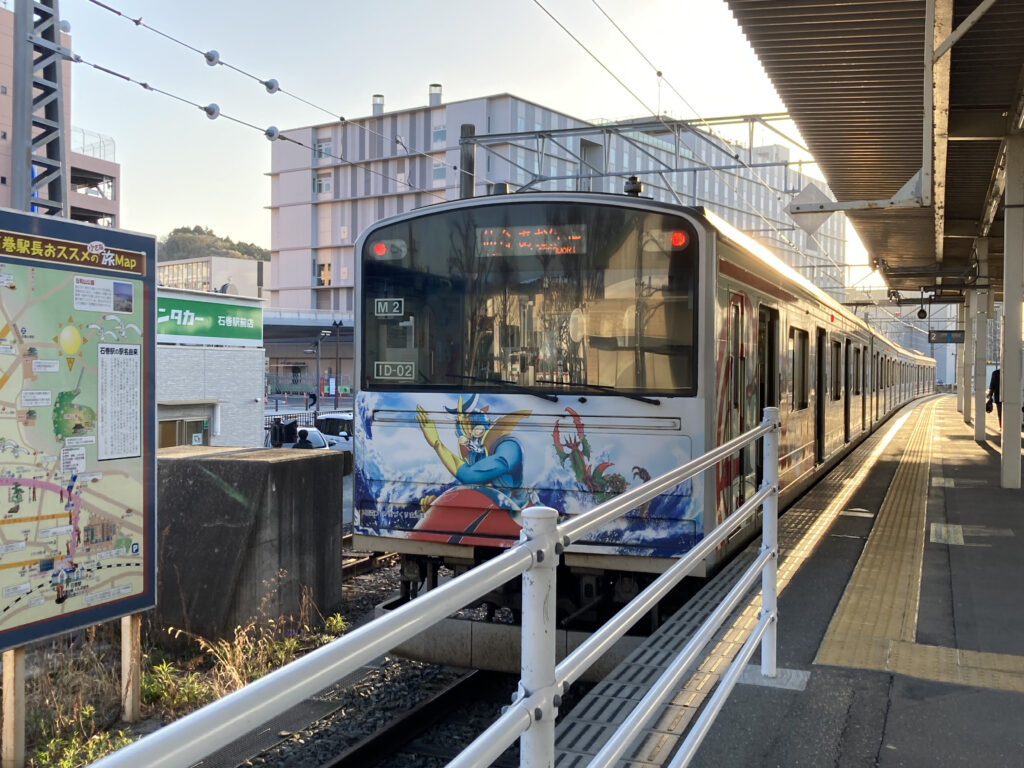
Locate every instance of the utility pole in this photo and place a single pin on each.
(319, 389)
(337, 362)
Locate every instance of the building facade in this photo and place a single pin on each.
(210, 365)
(331, 181)
(219, 274)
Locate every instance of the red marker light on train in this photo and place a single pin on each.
(379, 249)
(679, 239)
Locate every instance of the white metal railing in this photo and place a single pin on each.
(531, 717)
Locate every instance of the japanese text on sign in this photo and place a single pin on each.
(93, 254)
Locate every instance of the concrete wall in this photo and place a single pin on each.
(224, 384)
(230, 521)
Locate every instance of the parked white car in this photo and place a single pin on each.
(337, 427)
(290, 438)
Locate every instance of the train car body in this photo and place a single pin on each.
(558, 348)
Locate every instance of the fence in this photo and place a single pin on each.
(301, 418)
(292, 384)
(531, 717)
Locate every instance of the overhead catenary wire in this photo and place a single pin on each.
(213, 58)
(737, 156)
(213, 111)
(756, 211)
(272, 86)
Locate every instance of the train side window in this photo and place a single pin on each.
(856, 371)
(837, 370)
(799, 343)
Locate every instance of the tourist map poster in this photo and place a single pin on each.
(77, 425)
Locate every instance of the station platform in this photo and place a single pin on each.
(901, 622)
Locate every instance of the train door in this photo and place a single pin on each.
(767, 371)
(820, 396)
(884, 382)
(886, 385)
(863, 389)
(736, 419)
(847, 388)
(875, 374)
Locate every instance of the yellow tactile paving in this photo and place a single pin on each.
(881, 598)
(799, 533)
(875, 624)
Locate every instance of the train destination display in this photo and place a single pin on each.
(77, 425)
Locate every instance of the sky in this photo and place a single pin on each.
(180, 168)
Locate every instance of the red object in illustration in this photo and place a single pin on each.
(469, 515)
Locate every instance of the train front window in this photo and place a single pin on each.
(551, 296)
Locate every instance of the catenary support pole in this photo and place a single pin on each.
(467, 160)
(1013, 303)
(959, 362)
(983, 309)
(969, 373)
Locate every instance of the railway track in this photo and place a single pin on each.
(356, 563)
(436, 729)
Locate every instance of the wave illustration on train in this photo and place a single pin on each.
(559, 348)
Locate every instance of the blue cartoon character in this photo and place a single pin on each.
(483, 507)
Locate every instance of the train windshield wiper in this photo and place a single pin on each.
(613, 391)
(510, 384)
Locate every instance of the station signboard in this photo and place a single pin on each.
(77, 425)
(945, 337)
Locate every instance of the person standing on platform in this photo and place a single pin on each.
(993, 395)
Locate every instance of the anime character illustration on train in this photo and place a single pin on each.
(488, 470)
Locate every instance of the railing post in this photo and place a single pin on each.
(537, 744)
(770, 542)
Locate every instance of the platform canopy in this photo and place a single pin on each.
(905, 105)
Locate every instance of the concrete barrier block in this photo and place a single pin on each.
(240, 532)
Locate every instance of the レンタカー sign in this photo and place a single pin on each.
(197, 320)
(77, 425)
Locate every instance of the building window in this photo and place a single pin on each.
(322, 183)
(323, 274)
(439, 170)
(3, 90)
(440, 134)
(184, 432)
(3, 135)
(321, 149)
